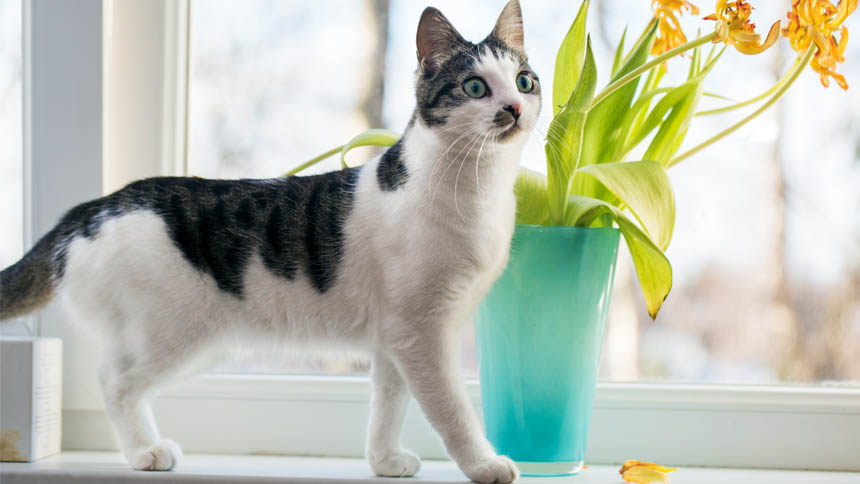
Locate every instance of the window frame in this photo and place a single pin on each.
(810, 427)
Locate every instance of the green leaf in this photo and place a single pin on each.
(666, 140)
(564, 138)
(674, 98)
(568, 62)
(532, 201)
(673, 129)
(603, 137)
(646, 190)
(372, 137)
(619, 54)
(652, 267)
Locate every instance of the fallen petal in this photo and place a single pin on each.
(644, 475)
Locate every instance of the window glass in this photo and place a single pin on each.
(766, 255)
(11, 198)
(11, 166)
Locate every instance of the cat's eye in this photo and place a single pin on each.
(525, 83)
(475, 87)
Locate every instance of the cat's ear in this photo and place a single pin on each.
(437, 40)
(509, 27)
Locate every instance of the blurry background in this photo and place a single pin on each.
(766, 253)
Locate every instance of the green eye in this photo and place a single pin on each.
(475, 87)
(525, 83)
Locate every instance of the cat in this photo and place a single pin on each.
(391, 257)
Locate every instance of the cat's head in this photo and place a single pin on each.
(487, 87)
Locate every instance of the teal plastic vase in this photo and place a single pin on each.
(539, 333)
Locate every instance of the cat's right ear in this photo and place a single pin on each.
(437, 40)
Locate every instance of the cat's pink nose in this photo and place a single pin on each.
(514, 109)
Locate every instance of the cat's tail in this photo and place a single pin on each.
(31, 282)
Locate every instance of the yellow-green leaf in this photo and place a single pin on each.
(372, 137)
(532, 201)
(619, 54)
(646, 190)
(568, 62)
(652, 267)
(603, 136)
(564, 138)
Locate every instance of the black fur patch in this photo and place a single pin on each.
(293, 223)
(391, 172)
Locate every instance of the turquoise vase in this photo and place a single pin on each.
(539, 333)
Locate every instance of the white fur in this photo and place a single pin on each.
(417, 262)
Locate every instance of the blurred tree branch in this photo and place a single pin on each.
(376, 13)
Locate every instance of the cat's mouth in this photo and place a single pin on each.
(509, 132)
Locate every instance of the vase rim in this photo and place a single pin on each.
(561, 228)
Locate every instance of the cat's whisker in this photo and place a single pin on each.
(457, 178)
(447, 151)
(442, 177)
(445, 155)
(478, 164)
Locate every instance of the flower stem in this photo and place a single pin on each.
(756, 99)
(776, 97)
(634, 74)
(310, 163)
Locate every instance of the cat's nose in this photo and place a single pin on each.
(515, 110)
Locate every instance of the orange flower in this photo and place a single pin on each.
(669, 33)
(816, 21)
(734, 28)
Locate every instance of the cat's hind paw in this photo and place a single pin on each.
(395, 464)
(162, 456)
(495, 470)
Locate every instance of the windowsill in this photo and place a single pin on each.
(108, 467)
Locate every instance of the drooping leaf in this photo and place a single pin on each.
(652, 267)
(568, 62)
(371, 137)
(564, 138)
(532, 200)
(646, 190)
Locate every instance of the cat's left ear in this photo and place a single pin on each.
(509, 27)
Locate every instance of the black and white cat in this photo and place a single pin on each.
(391, 258)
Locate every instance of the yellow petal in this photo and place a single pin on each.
(637, 463)
(644, 475)
(752, 48)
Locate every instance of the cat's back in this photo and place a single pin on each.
(294, 227)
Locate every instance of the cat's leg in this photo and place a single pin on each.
(388, 408)
(127, 384)
(431, 366)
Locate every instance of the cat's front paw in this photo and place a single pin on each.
(162, 456)
(395, 464)
(496, 469)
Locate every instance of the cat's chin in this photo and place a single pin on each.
(509, 134)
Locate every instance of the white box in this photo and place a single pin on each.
(31, 398)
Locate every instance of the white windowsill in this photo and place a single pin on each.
(107, 467)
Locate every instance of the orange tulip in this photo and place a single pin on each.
(734, 28)
(816, 21)
(669, 33)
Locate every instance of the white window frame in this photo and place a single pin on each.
(77, 121)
